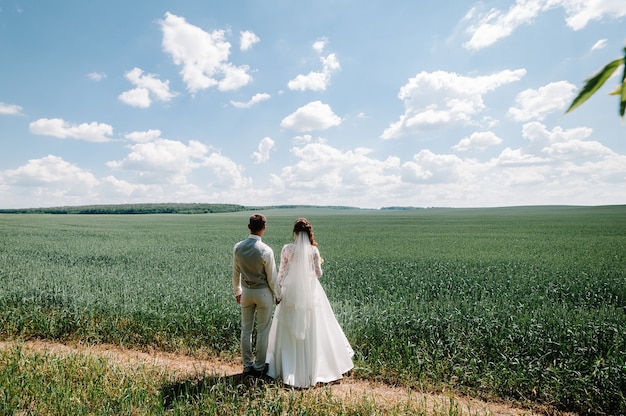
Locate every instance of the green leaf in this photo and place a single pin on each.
(622, 103)
(617, 90)
(594, 83)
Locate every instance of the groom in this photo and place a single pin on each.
(256, 290)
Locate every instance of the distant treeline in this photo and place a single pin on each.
(161, 208)
(164, 208)
(399, 208)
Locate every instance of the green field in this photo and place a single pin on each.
(522, 304)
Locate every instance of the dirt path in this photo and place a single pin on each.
(349, 388)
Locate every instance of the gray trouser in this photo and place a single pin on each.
(261, 303)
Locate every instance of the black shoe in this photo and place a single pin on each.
(253, 373)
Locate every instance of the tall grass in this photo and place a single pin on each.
(524, 304)
(45, 384)
(41, 384)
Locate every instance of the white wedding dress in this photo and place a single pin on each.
(306, 344)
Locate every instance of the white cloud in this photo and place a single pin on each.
(522, 176)
(354, 177)
(202, 55)
(433, 99)
(46, 182)
(145, 87)
(234, 77)
(247, 39)
(256, 98)
(263, 154)
(10, 109)
(229, 175)
(487, 28)
(601, 44)
(509, 158)
(478, 141)
(564, 145)
(319, 45)
(543, 172)
(581, 12)
(554, 165)
(538, 133)
(578, 149)
(536, 104)
(312, 116)
(495, 24)
(165, 162)
(51, 170)
(162, 156)
(606, 176)
(137, 97)
(317, 80)
(300, 140)
(144, 136)
(113, 186)
(51, 181)
(328, 172)
(428, 167)
(96, 76)
(56, 127)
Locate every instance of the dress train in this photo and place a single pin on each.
(320, 353)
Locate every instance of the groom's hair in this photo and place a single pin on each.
(257, 222)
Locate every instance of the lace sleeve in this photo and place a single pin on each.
(317, 262)
(285, 254)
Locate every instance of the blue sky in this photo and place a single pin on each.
(345, 102)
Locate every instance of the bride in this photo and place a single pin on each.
(306, 343)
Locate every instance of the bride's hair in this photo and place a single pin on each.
(303, 225)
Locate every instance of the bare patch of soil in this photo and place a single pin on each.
(350, 388)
